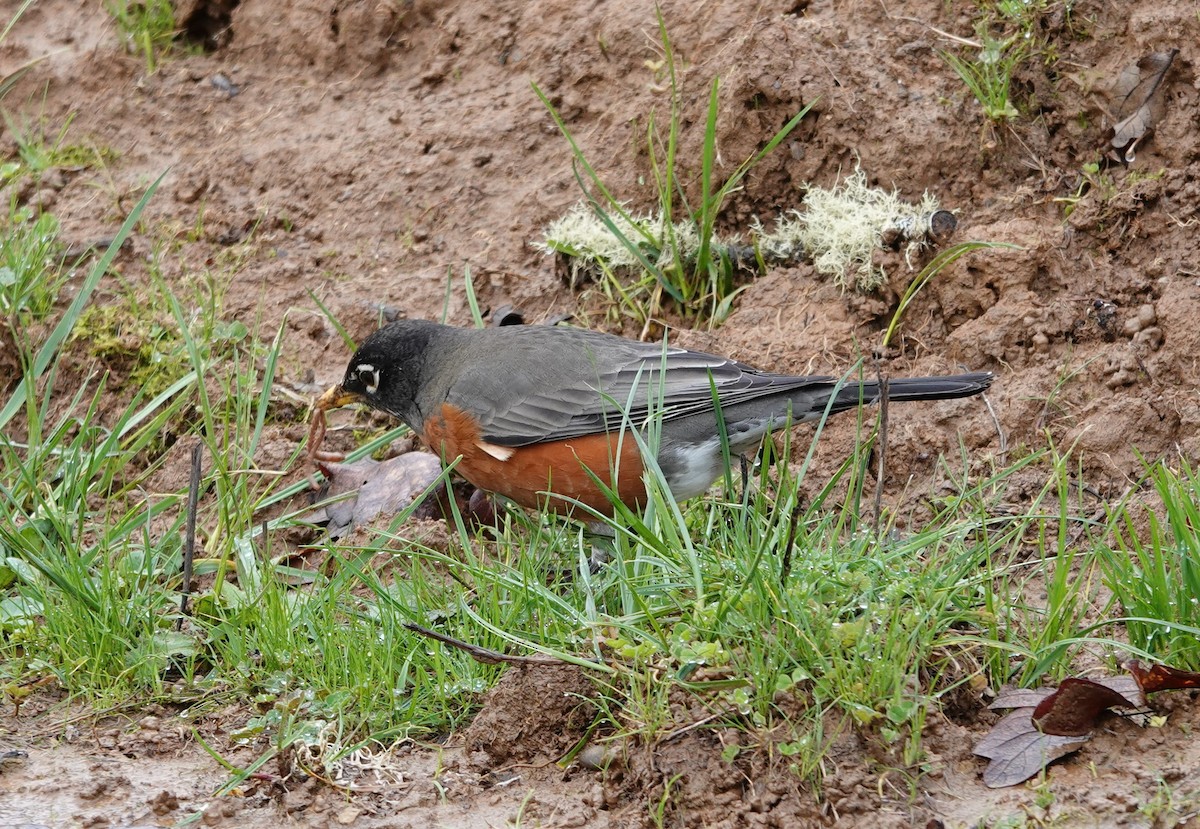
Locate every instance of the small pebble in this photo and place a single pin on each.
(44, 199)
(1120, 379)
(222, 82)
(1141, 320)
(348, 815)
(1152, 337)
(597, 757)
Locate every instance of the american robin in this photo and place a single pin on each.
(532, 411)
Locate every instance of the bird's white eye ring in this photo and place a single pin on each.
(368, 375)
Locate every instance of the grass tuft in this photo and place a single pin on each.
(989, 75)
(1154, 574)
(679, 260)
(27, 251)
(1008, 36)
(147, 27)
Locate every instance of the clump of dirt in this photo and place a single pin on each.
(675, 781)
(533, 715)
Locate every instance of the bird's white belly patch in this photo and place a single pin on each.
(691, 470)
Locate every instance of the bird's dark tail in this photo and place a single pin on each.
(914, 388)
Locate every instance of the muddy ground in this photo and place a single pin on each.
(364, 150)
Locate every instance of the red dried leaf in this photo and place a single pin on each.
(1071, 711)
(1018, 750)
(1162, 677)
(1128, 687)
(1124, 685)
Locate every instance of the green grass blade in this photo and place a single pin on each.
(944, 259)
(710, 203)
(49, 349)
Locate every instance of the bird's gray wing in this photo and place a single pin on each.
(570, 392)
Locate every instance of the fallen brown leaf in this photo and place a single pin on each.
(1072, 710)
(1138, 107)
(1048, 723)
(1162, 677)
(1018, 750)
(1020, 698)
(372, 488)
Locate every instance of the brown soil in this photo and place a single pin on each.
(374, 146)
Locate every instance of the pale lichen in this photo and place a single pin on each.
(838, 230)
(841, 227)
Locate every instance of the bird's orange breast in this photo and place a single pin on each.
(564, 468)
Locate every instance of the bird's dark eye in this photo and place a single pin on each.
(368, 375)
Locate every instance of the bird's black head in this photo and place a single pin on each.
(385, 371)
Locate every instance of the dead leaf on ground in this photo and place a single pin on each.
(1048, 723)
(1020, 698)
(1162, 677)
(1018, 751)
(1072, 710)
(373, 488)
(1138, 106)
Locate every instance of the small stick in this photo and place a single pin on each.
(485, 655)
(785, 566)
(266, 542)
(999, 430)
(881, 446)
(189, 533)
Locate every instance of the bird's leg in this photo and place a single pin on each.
(745, 465)
(602, 548)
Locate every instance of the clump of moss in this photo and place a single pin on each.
(138, 343)
(130, 342)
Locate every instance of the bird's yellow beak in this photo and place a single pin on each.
(336, 397)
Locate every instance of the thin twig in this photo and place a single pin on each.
(785, 566)
(965, 41)
(999, 430)
(485, 655)
(881, 444)
(679, 732)
(962, 40)
(265, 541)
(189, 534)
